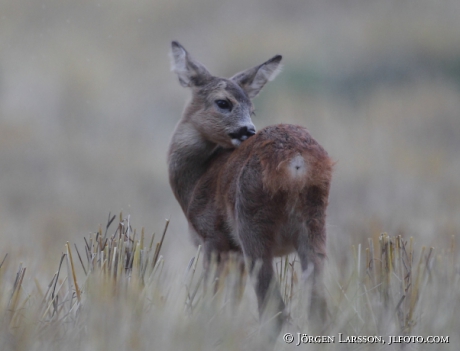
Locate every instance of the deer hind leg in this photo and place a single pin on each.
(270, 303)
(259, 261)
(311, 251)
(266, 286)
(256, 218)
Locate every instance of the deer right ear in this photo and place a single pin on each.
(190, 72)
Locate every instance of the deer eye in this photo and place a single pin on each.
(224, 105)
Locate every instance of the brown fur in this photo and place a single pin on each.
(265, 198)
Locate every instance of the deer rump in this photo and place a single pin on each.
(263, 197)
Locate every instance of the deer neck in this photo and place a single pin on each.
(188, 158)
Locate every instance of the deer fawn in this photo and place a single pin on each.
(261, 194)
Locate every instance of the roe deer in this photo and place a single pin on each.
(261, 194)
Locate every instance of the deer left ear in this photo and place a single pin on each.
(253, 80)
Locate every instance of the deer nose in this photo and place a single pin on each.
(243, 133)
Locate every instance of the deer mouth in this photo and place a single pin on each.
(241, 135)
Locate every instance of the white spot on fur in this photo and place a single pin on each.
(297, 167)
(236, 142)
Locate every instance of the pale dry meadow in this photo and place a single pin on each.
(115, 293)
(87, 107)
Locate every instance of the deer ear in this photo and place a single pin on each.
(190, 72)
(253, 80)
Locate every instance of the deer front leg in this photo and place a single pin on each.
(213, 260)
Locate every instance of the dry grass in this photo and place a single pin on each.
(87, 107)
(115, 293)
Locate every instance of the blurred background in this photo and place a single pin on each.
(88, 104)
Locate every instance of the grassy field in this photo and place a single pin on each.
(114, 292)
(87, 108)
